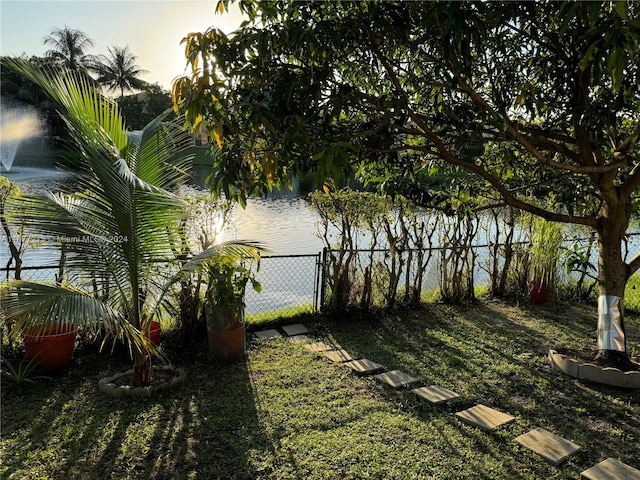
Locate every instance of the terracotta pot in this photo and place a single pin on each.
(50, 350)
(538, 294)
(226, 344)
(154, 333)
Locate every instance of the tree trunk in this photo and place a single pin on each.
(613, 273)
(13, 248)
(142, 369)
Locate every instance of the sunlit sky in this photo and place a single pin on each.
(153, 29)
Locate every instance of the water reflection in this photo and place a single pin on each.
(283, 222)
(286, 227)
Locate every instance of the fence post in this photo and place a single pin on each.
(322, 272)
(316, 283)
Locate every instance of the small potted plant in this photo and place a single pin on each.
(227, 280)
(546, 242)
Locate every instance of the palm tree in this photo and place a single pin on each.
(118, 70)
(114, 228)
(68, 50)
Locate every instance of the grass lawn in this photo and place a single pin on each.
(284, 413)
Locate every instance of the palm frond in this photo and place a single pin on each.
(35, 306)
(157, 153)
(231, 251)
(88, 114)
(238, 250)
(121, 221)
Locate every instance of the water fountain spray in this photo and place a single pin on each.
(17, 123)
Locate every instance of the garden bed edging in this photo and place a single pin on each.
(593, 373)
(106, 385)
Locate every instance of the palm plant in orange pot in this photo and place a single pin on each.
(226, 270)
(121, 217)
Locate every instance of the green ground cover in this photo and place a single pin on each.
(284, 413)
(632, 294)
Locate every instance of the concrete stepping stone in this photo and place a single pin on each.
(364, 366)
(319, 347)
(298, 339)
(295, 329)
(396, 379)
(611, 469)
(271, 333)
(485, 418)
(338, 356)
(435, 394)
(553, 448)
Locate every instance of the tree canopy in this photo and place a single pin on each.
(118, 71)
(307, 85)
(509, 103)
(528, 97)
(69, 50)
(139, 109)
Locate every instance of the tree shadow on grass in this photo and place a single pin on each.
(496, 354)
(68, 429)
(262, 417)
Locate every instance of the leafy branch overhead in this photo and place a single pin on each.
(406, 85)
(461, 104)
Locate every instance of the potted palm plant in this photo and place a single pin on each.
(226, 272)
(121, 217)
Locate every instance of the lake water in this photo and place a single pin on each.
(283, 223)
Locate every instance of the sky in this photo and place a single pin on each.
(152, 29)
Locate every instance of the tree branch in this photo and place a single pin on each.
(632, 182)
(634, 264)
(624, 147)
(450, 158)
(514, 130)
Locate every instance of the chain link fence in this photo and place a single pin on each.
(290, 286)
(294, 284)
(290, 283)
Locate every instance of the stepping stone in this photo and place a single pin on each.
(396, 379)
(298, 339)
(319, 347)
(364, 366)
(271, 333)
(338, 356)
(484, 418)
(435, 394)
(553, 448)
(295, 329)
(611, 469)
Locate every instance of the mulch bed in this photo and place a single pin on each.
(590, 355)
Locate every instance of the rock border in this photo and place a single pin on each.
(589, 372)
(106, 386)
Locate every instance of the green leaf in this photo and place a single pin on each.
(588, 56)
(621, 8)
(616, 63)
